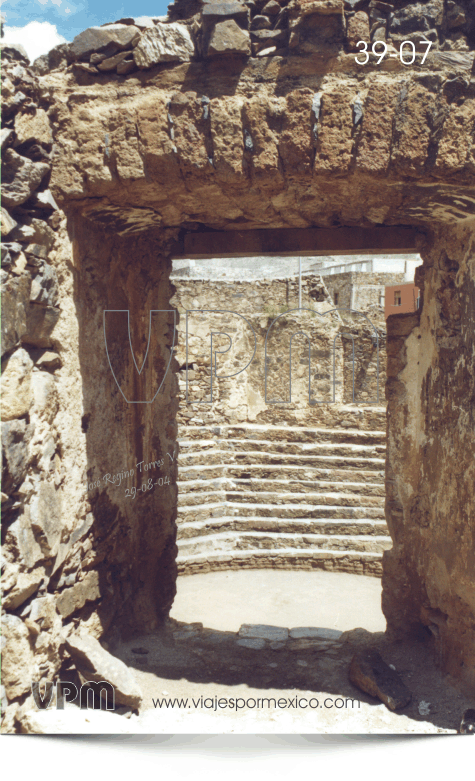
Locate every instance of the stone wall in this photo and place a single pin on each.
(428, 575)
(267, 309)
(69, 452)
(44, 513)
(264, 30)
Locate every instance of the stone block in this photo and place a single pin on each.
(45, 397)
(97, 664)
(370, 673)
(84, 67)
(74, 598)
(16, 385)
(14, 51)
(44, 614)
(96, 58)
(17, 657)
(185, 635)
(272, 8)
(54, 220)
(228, 38)
(374, 148)
(126, 66)
(6, 262)
(33, 126)
(357, 29)
(44, 287)
(16, 435)
(7, 223)
(212, 12)
(10, 571)
(37, 250)
(15, 305)
(20, 538)
(114, 38)
(164, 43)
(264, 632)
(56, 58)
(35, 231)
(26, 585)
(454, 144)
(252, 643)
(40, 322)
(20, 177)
(335, 143)
(416, 18)
(315, 632)
(111, 63)
(77, 534)
(308, 643)
(6, 135)
(19, 266)
(261, 23)
(268, 37)
(13, 101)
(320, 7)
(23, 233)
(379, 33)
(45, 518)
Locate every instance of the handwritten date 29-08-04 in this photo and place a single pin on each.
(132, 493)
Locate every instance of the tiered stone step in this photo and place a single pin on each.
(248, 484)
(281, 496)
(205, 472)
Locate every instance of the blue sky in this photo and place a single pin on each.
(73, 16)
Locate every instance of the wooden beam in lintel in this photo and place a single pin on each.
(299, 241)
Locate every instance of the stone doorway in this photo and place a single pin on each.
(301, 150)
(296, 485)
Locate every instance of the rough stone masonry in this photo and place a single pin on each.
(230, 116)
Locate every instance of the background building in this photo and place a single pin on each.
(401, 298)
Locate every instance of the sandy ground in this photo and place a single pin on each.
(205, 664)
(225, 600)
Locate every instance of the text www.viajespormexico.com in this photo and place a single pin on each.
(238, 703)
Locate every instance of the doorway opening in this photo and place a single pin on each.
(281, 472)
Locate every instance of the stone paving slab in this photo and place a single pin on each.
(318, 632)
(264, 632)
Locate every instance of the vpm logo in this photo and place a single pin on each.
(92, 693)
(163, 324)
(116, 323)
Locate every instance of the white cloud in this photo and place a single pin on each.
(36, 37)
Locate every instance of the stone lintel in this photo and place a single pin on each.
(298, 241)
